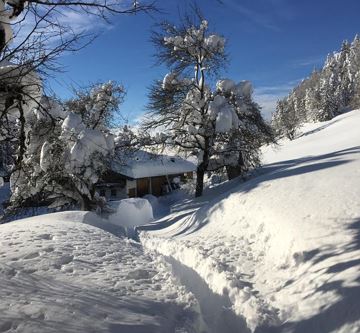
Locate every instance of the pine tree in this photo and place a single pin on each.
(326, 93)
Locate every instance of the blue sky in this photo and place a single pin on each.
(273, 43)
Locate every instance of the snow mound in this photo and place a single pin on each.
(154, 201)
(60, 275)
(284, 246)
(132, 212)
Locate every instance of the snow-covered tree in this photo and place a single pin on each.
(98, 105)
(32, 37)
(67, 150)
(195, 117)
(326, 93)
(237, 146)
(284, 120)
(180, 103)
(28, 53)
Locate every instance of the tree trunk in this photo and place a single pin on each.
(86, 204)
(201, 169)
(200, 172)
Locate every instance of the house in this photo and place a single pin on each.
(141, 173)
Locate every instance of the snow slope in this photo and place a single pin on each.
(60, 273)
(282, 249)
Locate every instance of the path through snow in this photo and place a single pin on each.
(284, 246)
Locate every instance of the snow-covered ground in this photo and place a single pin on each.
(61, 273)
(277, 253)
(280, 252)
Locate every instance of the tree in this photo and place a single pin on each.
(326, 93)
(237, 147)
(196, 118)
(181, 102)
(67, 149)
(28, 56)
(285, 120)
(29, 52)
(354, 66)
(98, 105)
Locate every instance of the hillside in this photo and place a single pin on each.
(282, 249)
(277, 253)
(325, 93)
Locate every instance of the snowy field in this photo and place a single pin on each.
(282, 249)
(277, 253)
(60, 274)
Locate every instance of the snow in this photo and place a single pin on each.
(142, 164)
(169, 80)
(154, 201)
(30, 82)
(277, 253)
(215, 42)
(73, 123)
(225, 116)
(89, 141)
(132, 212)
(50, 107)
(45, 164)
(241, 89)
(282, 249)
(195, 39)
(58, 273)
(225, 85)
(224, 120)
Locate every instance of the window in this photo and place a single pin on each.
(113, 192)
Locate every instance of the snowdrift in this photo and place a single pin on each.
(283, 247)
(60, 274)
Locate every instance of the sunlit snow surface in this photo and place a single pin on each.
(58, 274)
(277, 253)
(283, 248)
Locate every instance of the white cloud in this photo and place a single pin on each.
(267, 103)
(255, 16)
(75, 22)
(267, 96)
(310, 61)
(268, 14)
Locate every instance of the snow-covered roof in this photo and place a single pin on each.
(141, 164)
